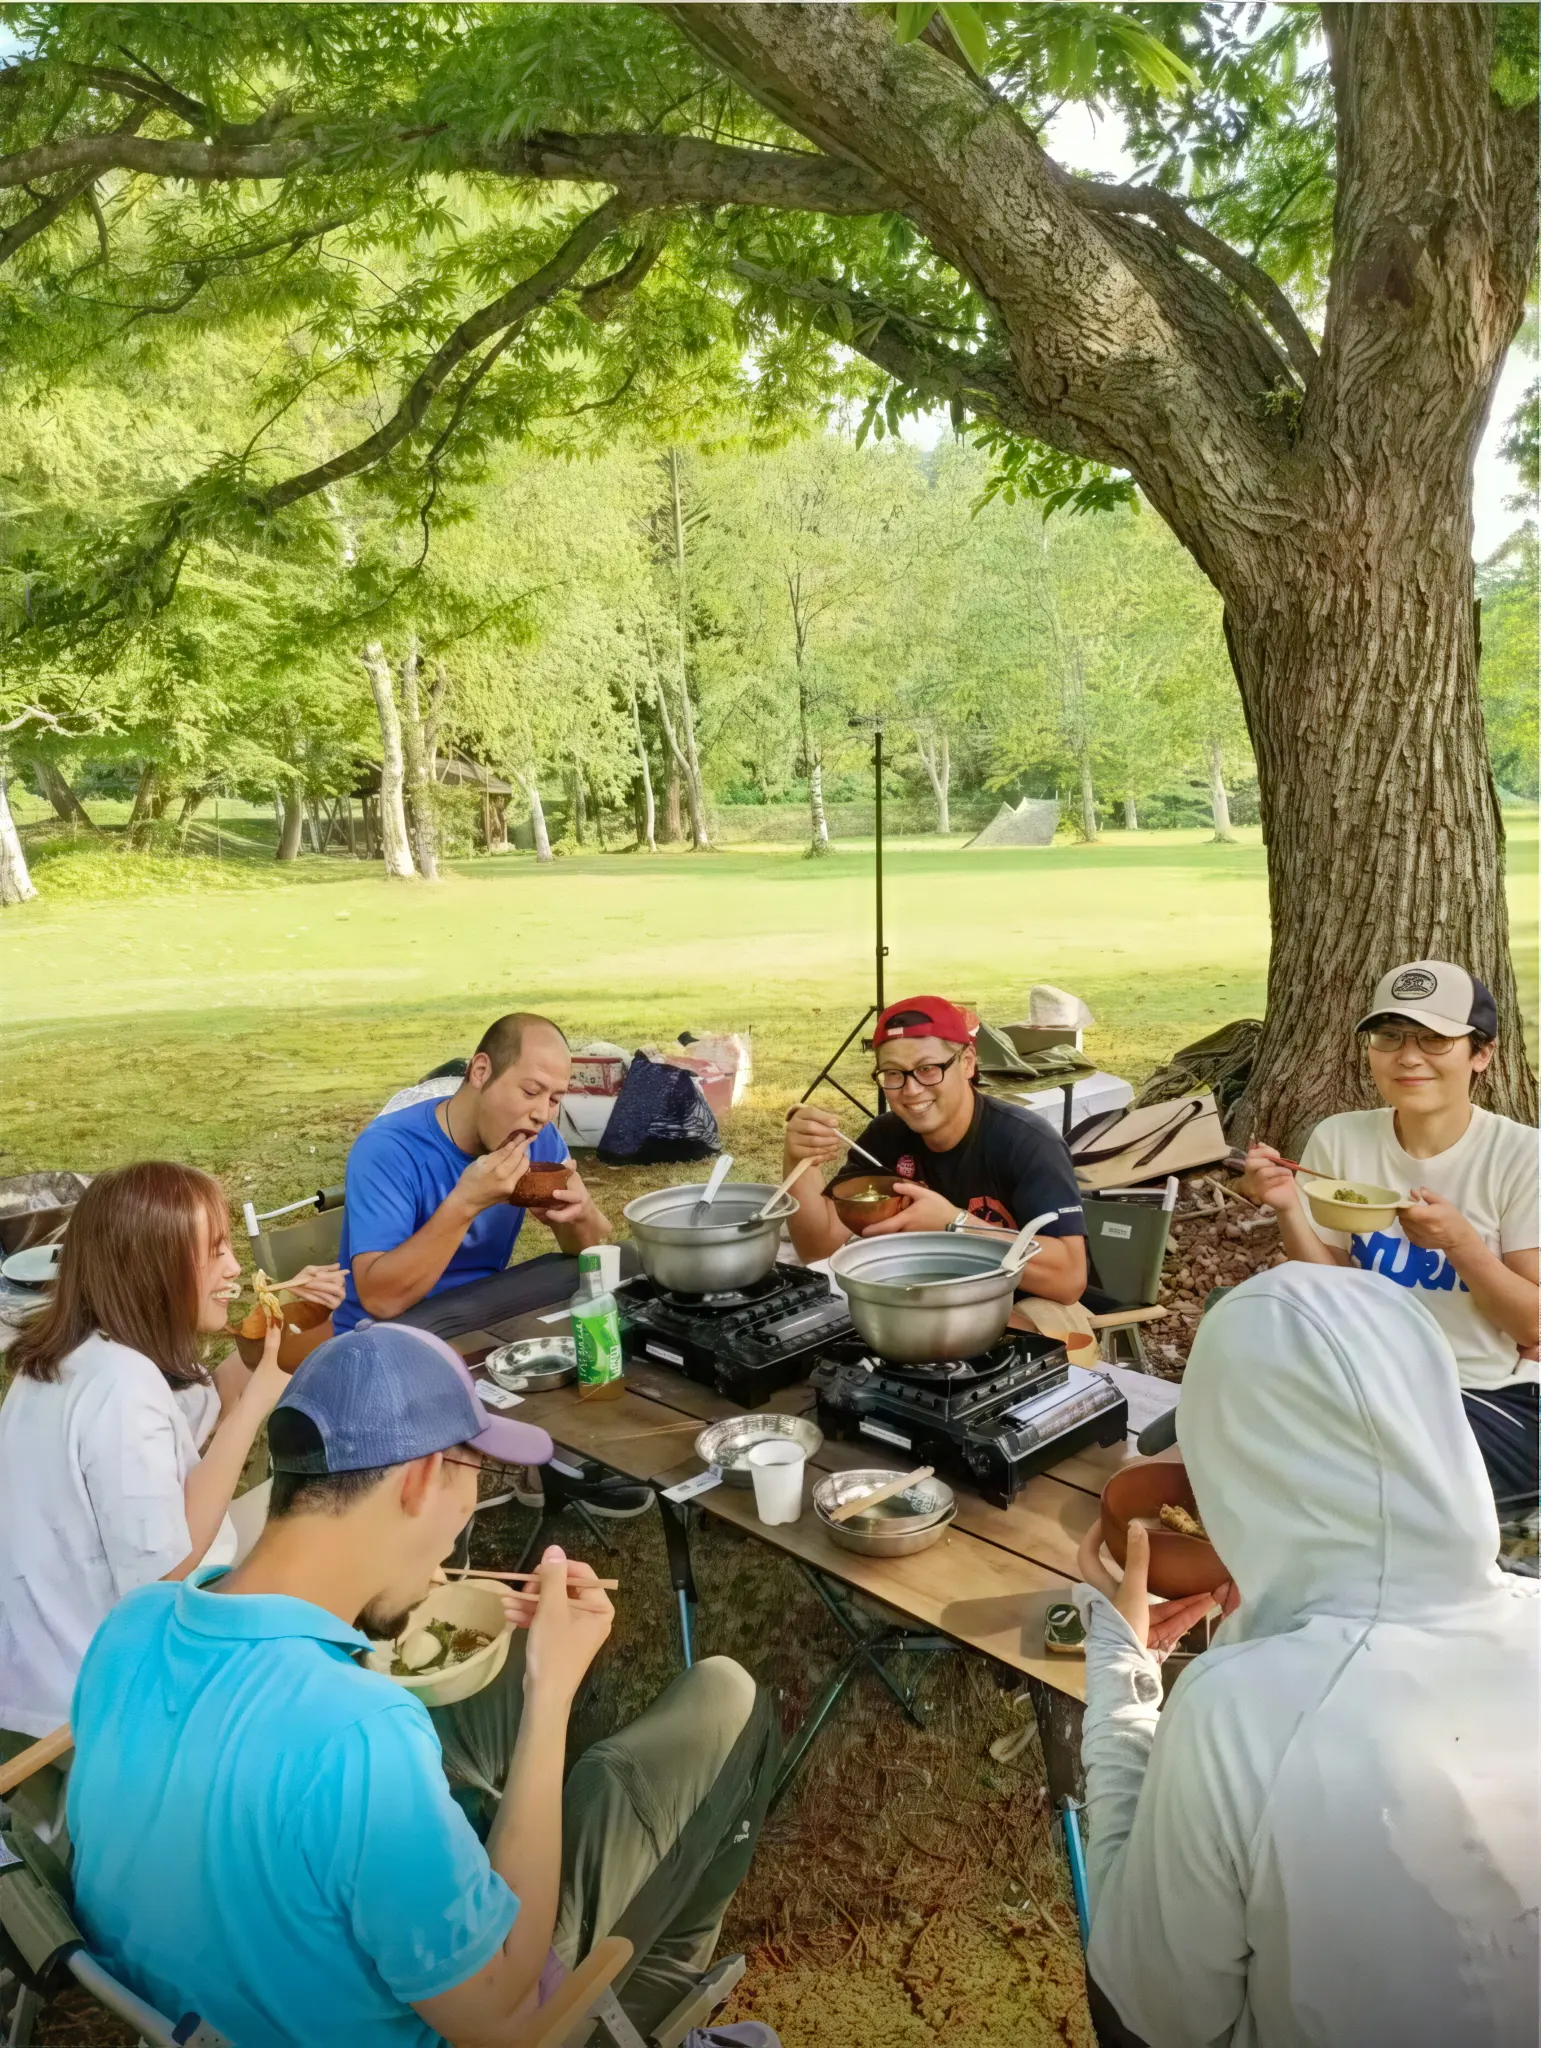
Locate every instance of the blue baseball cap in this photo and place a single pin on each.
(384, 1395)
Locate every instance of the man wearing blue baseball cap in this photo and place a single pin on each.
(264, 1829)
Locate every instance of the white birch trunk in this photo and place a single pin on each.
(393, 817)
(1131, 815)
(1219, 802)
(15, 882)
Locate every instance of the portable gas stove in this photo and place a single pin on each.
(992, 1421)
(749, 1344)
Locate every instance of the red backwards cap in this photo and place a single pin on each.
(926, 1017)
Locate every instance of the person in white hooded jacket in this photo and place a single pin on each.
(1330, 1836)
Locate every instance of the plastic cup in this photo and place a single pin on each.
(776, 1468)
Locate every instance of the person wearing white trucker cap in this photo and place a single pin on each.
(1465, 1243)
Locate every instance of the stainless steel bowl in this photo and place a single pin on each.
(534, 1364)
(896, 1527)
(923, 1296)
(727, 1444)
(730, 1251)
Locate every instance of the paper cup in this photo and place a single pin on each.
(776, 1467)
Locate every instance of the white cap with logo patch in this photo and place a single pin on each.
(1437, 996)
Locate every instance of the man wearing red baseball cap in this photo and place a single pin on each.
(956, 1154)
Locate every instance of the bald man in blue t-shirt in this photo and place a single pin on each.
(430, 1228)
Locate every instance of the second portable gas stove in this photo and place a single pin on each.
(992, 1421)
(749, 1344)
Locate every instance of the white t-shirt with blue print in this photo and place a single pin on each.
(1490, 1174)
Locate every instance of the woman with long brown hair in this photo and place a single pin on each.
(102, 1485)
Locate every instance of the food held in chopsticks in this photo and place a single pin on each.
(268, 1311)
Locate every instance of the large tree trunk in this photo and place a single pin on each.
(673, 817)
(1131, 815)
(936, 759)
(1327, 495)
(15, 882)
(55, 787)
(292, 810)
(393, 816)
(1219, 802)
(416, 743)
(818, 843)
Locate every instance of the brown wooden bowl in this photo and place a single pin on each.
(1179, 1565)
(306, 1324)
(538, 1185)
(857, 1215)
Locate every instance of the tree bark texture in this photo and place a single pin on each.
(292, 804)
(673, 819)
(1219, 802)
(1327, 497)
(16, 885)
(936, 759)
(1131, 815)
(393, 817)
(415, 742)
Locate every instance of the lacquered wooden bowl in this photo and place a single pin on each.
(1179, 1565)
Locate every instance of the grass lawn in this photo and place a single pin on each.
(251, 1019)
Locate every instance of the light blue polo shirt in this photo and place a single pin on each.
(263, 1831)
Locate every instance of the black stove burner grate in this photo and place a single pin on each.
(748, 1348)
(779, 1281)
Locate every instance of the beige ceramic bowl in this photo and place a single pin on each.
(1377, 1211)
(467, 1603)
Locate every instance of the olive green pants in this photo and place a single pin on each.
(659, 1819)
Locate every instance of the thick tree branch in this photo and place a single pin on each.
(598, 301)
(58, 203)
(653, 170)
(508, 311)
(1137, 356)
(1174, 219)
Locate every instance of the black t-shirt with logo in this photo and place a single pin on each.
(1008, 1168)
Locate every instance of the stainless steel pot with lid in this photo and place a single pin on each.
(734, 1249)
(920, 1297)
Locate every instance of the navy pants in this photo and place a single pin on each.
(1506, 1423)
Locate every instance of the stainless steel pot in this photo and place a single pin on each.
(923, 1296)
(730, 1251)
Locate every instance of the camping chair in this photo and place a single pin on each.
(1126, 1242)
(584, 2008)
(314, 1242)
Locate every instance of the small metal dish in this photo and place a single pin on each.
(727, 1444)
(902, 1514)
(534, 1364)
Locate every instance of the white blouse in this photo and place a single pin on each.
(92, 1471)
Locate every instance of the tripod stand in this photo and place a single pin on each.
(826, 1072)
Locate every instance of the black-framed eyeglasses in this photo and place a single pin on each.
(928, 1074)
(471, 1464)
(1434, 1043)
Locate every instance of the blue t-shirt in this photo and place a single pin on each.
(400, 1169)
(263, 1831)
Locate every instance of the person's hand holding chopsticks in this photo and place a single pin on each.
(568, 1616)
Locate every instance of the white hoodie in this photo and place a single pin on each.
(1333, 1836)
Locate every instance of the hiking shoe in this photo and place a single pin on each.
(607, 1494)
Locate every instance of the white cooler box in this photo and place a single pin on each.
(1092, 1094)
